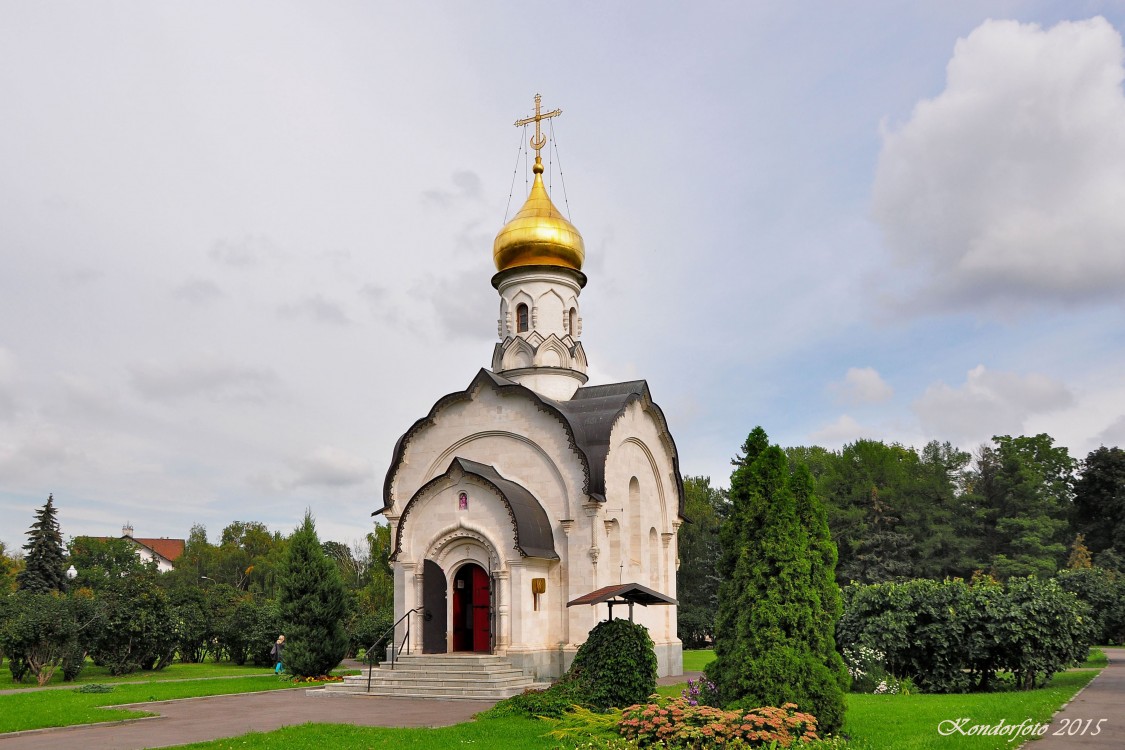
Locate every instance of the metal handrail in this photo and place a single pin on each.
(394, 651)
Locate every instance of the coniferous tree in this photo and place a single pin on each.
(1099, 502)
(313, 605)
(44, 564)
(778, 600)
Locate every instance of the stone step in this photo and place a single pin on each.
(449, 659)
(439, 681)
(439, 676)
(429, 674)
(411, 691)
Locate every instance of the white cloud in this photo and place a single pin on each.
(1007, 187)
(42, 446)
(467, 187)
(7, 384)
(333, 467)
(862, 385)
(246, 252)
(843, 430)
(198, 291)
(317, 309)
(1114, 434)
(207, 378)
(988, 403)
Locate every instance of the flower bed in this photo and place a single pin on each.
(680, 724)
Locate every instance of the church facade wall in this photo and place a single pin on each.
(528, 445)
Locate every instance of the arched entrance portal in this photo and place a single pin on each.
(472, 610)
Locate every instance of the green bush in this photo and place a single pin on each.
(38, 634)
(134, 629)
(953, 637)
(367, 630)
(616, 666)
(1104, 591)
(248, 630)
(551, 703)
(1041, 630)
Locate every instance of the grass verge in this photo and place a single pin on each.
(910, 722)
(508, 732)
(64, 708)
(177, 671)
(1096, 660)
(696, 660)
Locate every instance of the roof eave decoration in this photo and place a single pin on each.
(574, 415)
(501, 385)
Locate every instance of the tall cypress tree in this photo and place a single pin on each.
(778, 600)
(313, 604)
(44, 564)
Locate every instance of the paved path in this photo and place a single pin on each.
(1104, 698)
(201, 719)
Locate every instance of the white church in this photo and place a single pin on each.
(530, 489)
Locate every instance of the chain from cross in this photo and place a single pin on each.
(539, 140)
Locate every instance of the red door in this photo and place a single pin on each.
(472, 615)
(482, 615)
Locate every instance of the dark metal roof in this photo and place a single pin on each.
(530, 525)
(588, 417)
(591, 413)
(633, 593)
(533, 528)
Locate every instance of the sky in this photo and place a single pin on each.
(244, 245)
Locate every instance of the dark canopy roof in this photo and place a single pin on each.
(588, 417)
(633, 593)
(531, 527)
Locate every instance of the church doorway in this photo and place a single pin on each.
(472, 610)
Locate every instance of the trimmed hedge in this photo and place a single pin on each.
(954, 637)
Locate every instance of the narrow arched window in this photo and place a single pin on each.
(521, 318)
(573, 323)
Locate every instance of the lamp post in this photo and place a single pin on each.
(71, 573)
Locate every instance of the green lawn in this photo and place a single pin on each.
(695, 661)
(61, 708)
(177, 671)
(509, 732)
(911, 722)
(1096, 660)
(875, 722)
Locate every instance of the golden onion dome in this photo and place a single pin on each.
(538, 235)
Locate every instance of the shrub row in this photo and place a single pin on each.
(952, 636)
(1104, 591)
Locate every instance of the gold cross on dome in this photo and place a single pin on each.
(539, 140)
